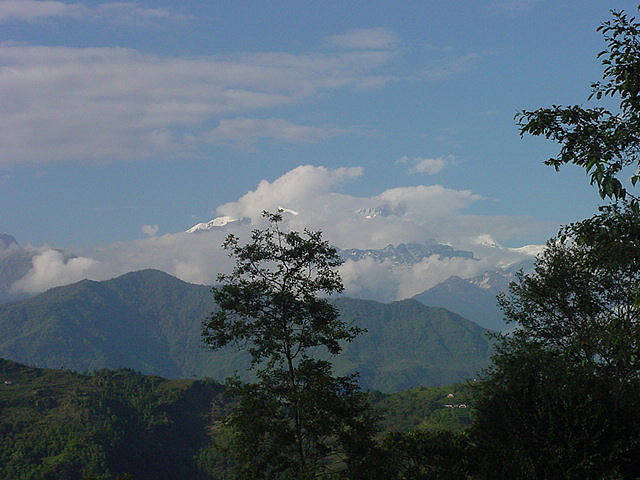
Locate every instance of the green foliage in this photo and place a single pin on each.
(270, 301)
(58, 424)
(539, 416)
(582, 301)
(428, 455)
(561, 399)
(337, 420)
(601, 141)
(111, 425)
(297, 421)
(427, 408)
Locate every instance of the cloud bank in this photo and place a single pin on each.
(421, 213)
(51, 269)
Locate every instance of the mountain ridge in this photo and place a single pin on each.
(150, 321)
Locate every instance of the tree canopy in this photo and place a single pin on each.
(560, 400)
(601, 140)
(298, 420)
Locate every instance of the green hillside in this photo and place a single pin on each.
(408, 344)
(56, 424)
(469, 300)
(150, 321)
(427, 408)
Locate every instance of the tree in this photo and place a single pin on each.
(297, 420)
(562, 398)
(429, 455)
(602, 141)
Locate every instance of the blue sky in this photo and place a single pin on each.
(121, 115)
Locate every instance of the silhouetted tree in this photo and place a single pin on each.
(297, 420)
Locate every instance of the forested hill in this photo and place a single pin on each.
(408, 344)
(150, 321)
(58, 424)
(146, 320)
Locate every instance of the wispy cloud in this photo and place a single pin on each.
(452, 66)
(31, 10)
(128, 12)
(150, 230)
(514, 5)
(365, 38)
(245, 132)
(87, 104)
(427, 166)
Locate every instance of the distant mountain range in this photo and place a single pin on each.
(150, 321)
(474, 298)
(405, 253)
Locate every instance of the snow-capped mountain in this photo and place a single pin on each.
(405, 253)
(288, 210)
(215, 224)
(482, 242)
(475, 298)
(225, 220)
(372, 212)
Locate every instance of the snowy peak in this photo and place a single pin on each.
(486, 240)
(372, 212)
(215, 224)
(219, 223)
(493, 280)
(287, 210)
(532, 250)
(405, 253)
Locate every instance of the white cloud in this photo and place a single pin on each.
(298, 188)
(245, 132)
(84, 104)
(422, 202)
(428, 166)
(128, 12)
(131, 12)
(411, 214)
(51, 269)
(365, 38)
(406, 214)
(386, 281)
(150, 230)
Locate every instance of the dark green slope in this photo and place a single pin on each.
(447, 407)
(56, 424)
(150, 321)
(132, 321)
(410, 344)
(463, 297)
